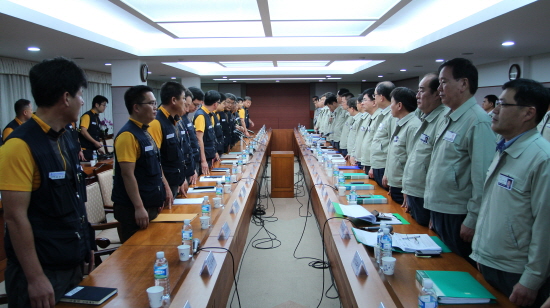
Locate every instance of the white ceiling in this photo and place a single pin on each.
(351, 40)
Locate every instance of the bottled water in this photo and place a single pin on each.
(94, 155)
(244, 156)
(353, 195)
(187, 233)
(227, 177)
(341, 178)
(427, 297)
(219, 189)
(385, 244)
(206, 208)
(162, 276)
(234, 168)
(377, 247)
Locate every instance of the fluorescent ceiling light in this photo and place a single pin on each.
(439, 60)
(363, 80)
(196, 10)
(173, 78)
(108, 64)
(33, 49)
(301, 63)
(335, 78)
(215, 29)
(325, 9)
(273, 78)
(380, 76)
(403, 70)
(508, 43)
(247, 64)
(319, 28)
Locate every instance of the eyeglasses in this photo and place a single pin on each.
(501, 103)
(152, 104)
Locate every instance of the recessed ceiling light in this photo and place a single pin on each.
(149, 73)
(107, 64)
(439, 60)
(328, 76)
(33, 49)
(224, 77)
(363, 80)
(173, 78)
(321, 80)
(403, 70)
(508, 43)
(234, 80)
(380, 76)
(276, 80)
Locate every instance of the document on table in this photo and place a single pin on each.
(358, 212)
(183, 201)
(229, 156)
(228, 161)
(405, 242)
(198, 190)
(211, 178)
(173, 217)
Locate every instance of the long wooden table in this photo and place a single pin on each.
(130, 268)
(398, 290)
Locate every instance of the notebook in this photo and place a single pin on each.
(88, 295)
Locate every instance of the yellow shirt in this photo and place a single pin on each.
(127, 146)
(200, 122)
(155, 130)
(9, 130)
(85, 120)
(18, 170)
(241, 113)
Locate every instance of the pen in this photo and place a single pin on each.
(412, 237)
(203, 187)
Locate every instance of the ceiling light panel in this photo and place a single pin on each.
(196, 10)
(325, 9)
(319, 28)
(215, 29)
(301, 63)
(235, 64)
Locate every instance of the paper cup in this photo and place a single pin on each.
(233, 178)
(184, 251)
(205, 222)
(388, 265)
(227, 188)
(217, 202)
(341, 191)
(155, 296)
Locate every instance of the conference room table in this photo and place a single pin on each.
(397, 290)
(130, 267)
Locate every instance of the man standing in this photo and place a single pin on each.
(225, 121)
(369, 127)
(204, 126)
(170, 138)
(414, 175)
(346, 127)
(48, 236)
(23, 112)
(338, 116)
(403, 105)
(139, 188)
(246, 105)
(544, 126)
(190, 140)
(489, 104)
(90, 127)
(511, 239)
(463, 147)
(242, 117)
(315, 100)
(218, 130)
(196, 103)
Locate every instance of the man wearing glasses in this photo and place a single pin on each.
(511, 239)
(463, 147)
(89, 127)
(140, 189)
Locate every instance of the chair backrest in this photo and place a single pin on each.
(109, 145)
(94, 205)
(105, 180)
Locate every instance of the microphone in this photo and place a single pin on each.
(196, 244)
(376, 228)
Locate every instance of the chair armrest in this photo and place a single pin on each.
(106, 225)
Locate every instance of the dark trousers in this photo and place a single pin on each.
(62, 282)
(367, 169)
(396, 194)
(505, 282)
(174, 190)
(447, 226)
(126, 216)
(378, 175)
(88, 154)
(344, 152)
(336, 144)
(417, 210)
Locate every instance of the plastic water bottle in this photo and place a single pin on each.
(335, 174)
(427, 297)
(341, 179)
(206, 208)
(187, 233)
(234, 168)
(94, 155)
(219, 189)
(385, 244)
(353, 195)
(244, 156)
(162, 276)
(379, 234)
(227, 177)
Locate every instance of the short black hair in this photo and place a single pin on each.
(384, 88)
(188, 94)
(326, 95)
(171, 89)
(491, 98)
(53, 77)
(463, 68)
(352, 103)
(342, 92)
(315, 97)
(98, 99)
(135, 95)
(231, 96)
(434, 81)
(248, 98)
(369, 93)
(348, 95)
(405, 96)
(240, 99)
(198, 94)
(20, 106)
(530, 93)
(211, 97)
(222, 97)
(331, 99)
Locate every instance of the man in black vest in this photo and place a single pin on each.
(191, 174)
(246, 105)
(227, 122)
(48, 236)
(204, 126)
(218, 129)
(196, 103)
(23, 112)
(90, 127)
(166, 131)
(140, 190)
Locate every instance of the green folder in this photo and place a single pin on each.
(456, 287)
(355, 176)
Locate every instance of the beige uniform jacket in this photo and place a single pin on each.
(381, 140)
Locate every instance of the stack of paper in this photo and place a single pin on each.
(371, 199)
(355, 211)
(211, 178)
(405, 242)
(201, 190)
(184, 201)
(355, 176)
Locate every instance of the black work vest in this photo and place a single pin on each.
(219, 132)
(209, 136)
(171, 151)
(147, 172)
(193, 138)
(62, 235)
(226, 128)
(93, 130)
(188, 159)
(246, 118)
(13, 125)
(73, 132)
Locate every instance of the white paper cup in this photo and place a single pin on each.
(217, 202)
(155, 296)
(388, 265)
(205, 222)
(341, 191)
(93, 162)
(227, 188)
(184, 251)
(233, 178)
